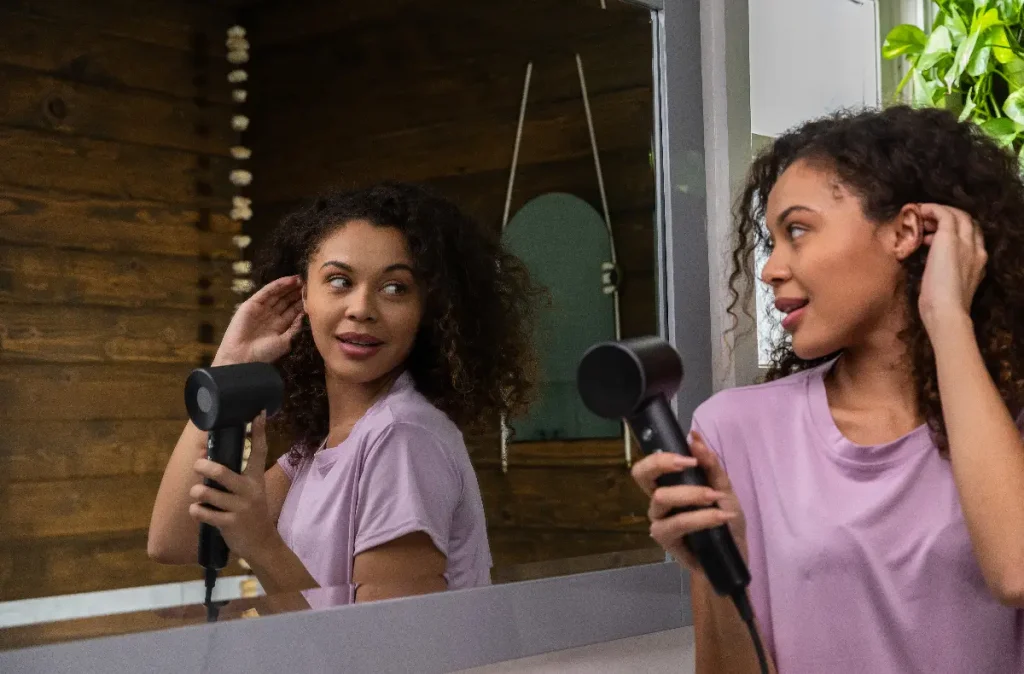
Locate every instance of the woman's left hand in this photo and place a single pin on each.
(955, 265)
(244, 518)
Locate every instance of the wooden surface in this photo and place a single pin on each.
(115, 274)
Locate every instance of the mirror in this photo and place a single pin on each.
(139, 185)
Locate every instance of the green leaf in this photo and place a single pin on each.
(903, 39)
(987, 20)
(963, 57)
(925, 92)
(1000, 42)
(1014, 106)
(979, 62)
(968, 105)
(1003, 130)
(938, 47)
(1014, 72)
(956, 26)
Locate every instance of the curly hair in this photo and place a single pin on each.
(473, 356)
(890, 158)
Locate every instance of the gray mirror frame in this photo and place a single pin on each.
(456, 630)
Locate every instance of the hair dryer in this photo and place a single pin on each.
(223, 400)
(632, 380)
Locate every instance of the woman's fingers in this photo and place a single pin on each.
(669, 530)
(216, 498)
(221, 474)
(665, 499)
(271, 292)
(285, 301)
(717, 477)
(648, 470)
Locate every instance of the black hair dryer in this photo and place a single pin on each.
(223, 400)
(632, 380)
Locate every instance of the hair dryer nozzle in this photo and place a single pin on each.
(232, 395)
(615, 378)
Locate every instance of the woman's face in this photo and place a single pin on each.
(835, 274)
(363, 301)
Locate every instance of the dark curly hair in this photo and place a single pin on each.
(473, 356)
(891, 158)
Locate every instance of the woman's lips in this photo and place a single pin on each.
(792, 318)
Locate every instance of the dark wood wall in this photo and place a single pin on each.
(348, 94)
(115, 273)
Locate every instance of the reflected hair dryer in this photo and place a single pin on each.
(223, 400)
(632, 380)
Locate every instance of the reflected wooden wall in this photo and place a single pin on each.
(114, 274)
(353, 93)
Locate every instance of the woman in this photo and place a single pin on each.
(394, 320)
(875, 484)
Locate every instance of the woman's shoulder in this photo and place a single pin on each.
(406, 412)
(774, 400)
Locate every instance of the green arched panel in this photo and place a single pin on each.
(563, 242)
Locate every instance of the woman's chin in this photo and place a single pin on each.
(806, 348)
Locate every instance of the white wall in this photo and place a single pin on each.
(809, 57)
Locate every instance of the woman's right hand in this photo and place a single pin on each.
(264, 325)
(669, 531)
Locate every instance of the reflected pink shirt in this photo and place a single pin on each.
(860, 557)
(404, 468)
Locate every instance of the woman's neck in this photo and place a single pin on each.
(871, 388)
(348, 402)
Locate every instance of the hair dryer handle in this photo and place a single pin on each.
(224, 446)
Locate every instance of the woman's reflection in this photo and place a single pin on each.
(394, 320)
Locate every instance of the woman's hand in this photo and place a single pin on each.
(955, 266)
(669, 531)
(264, 325)
(244, 518)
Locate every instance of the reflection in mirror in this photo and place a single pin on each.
(126, 243)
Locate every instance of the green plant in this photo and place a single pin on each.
(971, 63)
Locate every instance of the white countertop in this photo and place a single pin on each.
(668, 652)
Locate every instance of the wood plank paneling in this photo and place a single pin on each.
(63, 49)
(628, 177)
(477, 84)
(523, 546)
(37, 218)
(584, 499)
(49, 161)
(30, 392)
(77, 334)
(87, 449)
(45, 275)
(466, 26)
(555, 132)
(89, 563)
(589, 562)
(38, 101)
(485, 451)
(77, 507)
(169, 23)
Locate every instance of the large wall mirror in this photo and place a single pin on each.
(138, 180)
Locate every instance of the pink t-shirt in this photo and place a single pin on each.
(403, 469)
(860, 557)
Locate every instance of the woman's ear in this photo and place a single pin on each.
(304, 296)
(908, 227)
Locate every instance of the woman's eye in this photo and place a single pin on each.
(395, 288)
(338, 282)
(796, 231)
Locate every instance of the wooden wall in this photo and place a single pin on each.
(352, 93)
(115, 253)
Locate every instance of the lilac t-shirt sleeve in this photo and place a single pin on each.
(408, 483)
(286, 466)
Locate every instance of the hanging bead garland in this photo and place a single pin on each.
(241, 205)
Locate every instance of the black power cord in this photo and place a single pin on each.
(212, 609)
(747, 614)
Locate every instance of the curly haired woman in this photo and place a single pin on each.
(394, 319)
(875, 483)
